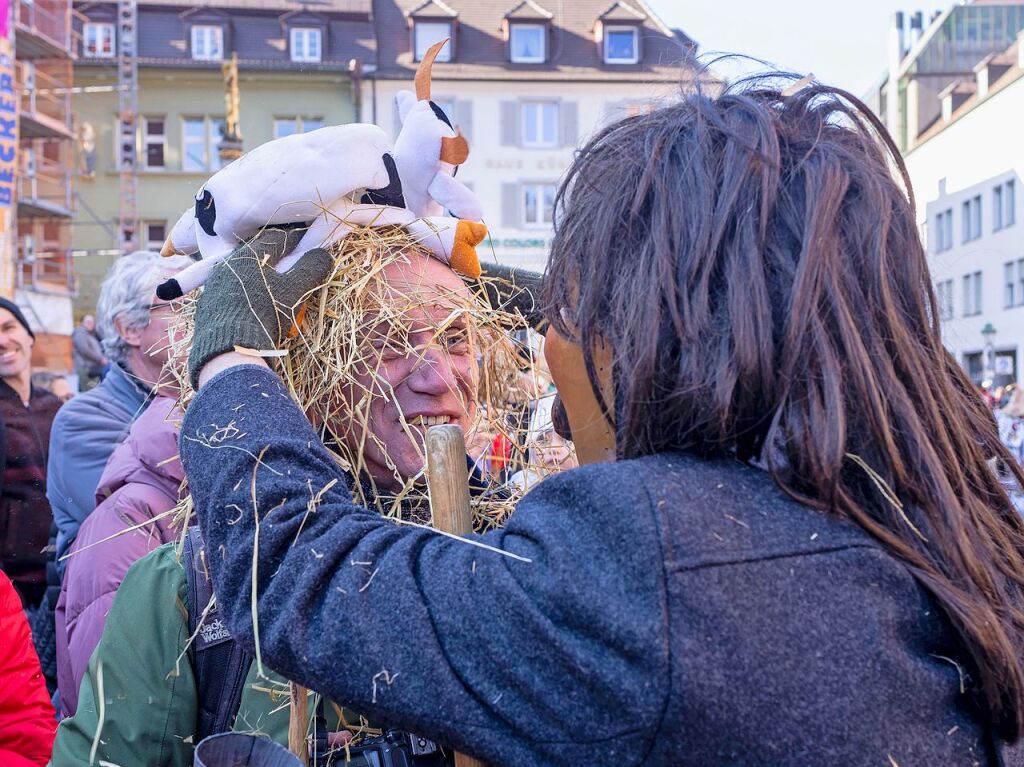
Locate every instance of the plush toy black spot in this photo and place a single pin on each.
(169, 290)
(206, 212)
(441, 115)
(390, 194)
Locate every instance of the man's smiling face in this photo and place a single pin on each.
(417, 369)
(15, 346)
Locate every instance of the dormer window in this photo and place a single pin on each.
(306, 44)
(621, 45)
(426, 33)
(527, 43)
(207, 42)
(98, 40)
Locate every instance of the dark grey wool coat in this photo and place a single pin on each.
(670, 611)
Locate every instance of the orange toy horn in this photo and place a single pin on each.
(423, 71)
(169, 248)
(454, 150)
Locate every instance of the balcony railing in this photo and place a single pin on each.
(45, 98)
(45, 270)
(44, 184)
(43, 28)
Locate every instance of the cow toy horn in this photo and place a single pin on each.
(423, 71)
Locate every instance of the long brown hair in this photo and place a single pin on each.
(752, 260)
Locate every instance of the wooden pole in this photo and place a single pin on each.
(298, 721)
(448, 486)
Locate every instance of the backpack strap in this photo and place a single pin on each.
(219, 663)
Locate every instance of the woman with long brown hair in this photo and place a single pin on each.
(788, 547)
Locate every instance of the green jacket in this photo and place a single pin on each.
(147, 681)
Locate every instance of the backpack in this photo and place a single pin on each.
(219, 662)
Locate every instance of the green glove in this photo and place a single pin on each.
(245, 302)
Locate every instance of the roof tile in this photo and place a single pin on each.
(528, 9)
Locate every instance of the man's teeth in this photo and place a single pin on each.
(430, 420)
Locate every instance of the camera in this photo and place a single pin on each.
(394, 748)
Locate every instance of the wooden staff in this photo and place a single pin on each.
(448, 486)
(298, 721)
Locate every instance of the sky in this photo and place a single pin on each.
(842, 43)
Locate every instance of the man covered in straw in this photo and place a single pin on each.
(392, 346)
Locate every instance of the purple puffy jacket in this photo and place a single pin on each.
(142, 480)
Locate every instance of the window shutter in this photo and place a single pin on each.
(464, 118)
(509, 123)
(569, 120)
(510, 205)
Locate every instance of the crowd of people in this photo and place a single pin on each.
(733, 501)
(119, 436)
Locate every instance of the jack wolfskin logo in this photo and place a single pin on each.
(213, 632)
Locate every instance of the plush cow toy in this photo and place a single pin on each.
(358, 179)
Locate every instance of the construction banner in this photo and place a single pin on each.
(8, 153)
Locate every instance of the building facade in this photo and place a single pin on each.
(925, 57)
(44, 280)
(526, 82)
(965, 166)
(294, 63)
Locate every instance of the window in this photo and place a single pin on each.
(305, 44)
(539, 124)
(620, 45)
(974, 364)
(1009, 284)
(287, 126)
(98, 40)
(1020, 281)
(972, 294)
(944, 293)
(1003, 206)
(538, 204)
(154, 142)
(207, 43)
(201, 137)
(971, 224)
(155, 234)
(526, 43)
(426, 33)
(944, 230)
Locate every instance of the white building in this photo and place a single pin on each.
(526, 82)
(958, 118)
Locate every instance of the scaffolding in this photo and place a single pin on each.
(128, 113)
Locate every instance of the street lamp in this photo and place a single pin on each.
(989, 333)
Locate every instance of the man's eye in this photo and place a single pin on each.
(456, 340)
(388, 346)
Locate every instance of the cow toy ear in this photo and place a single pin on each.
(454, 150)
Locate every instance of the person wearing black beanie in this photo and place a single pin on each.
(16, 312)
(26, 417)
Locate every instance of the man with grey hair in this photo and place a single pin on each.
(133, 323)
